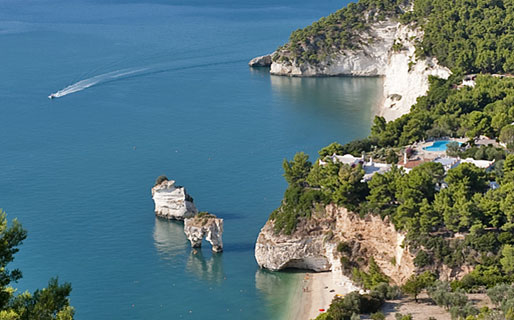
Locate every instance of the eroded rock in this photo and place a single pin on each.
(262, 61)
(172, 202)
(314, 243)
(205, 225)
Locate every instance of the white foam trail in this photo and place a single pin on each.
(86, 83)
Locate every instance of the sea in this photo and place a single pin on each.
(158, 87)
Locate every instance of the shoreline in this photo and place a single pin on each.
(315, 292)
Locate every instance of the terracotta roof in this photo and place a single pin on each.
(412, 163)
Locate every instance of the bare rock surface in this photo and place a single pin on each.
(205, 225)
(313, 245)
(172, 201)
(262, 61)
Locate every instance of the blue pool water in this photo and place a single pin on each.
(438, 145)
(77, 170)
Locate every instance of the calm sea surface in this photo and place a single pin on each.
(165, 90)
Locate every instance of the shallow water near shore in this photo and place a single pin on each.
(178, 99)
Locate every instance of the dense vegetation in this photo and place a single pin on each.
(50, 303)
(465, 35)
(451, 218)
(353, 304)
(338, 31)
(412, 201)
(487, 109)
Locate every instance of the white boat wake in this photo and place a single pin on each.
(132, 72)
(101, 78)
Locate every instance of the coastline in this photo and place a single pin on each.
(315, 292)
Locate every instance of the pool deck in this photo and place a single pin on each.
(431, 155)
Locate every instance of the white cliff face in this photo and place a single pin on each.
(314, 245)
(371, 60)
(405, 78)
(172, 202)
(209, 227)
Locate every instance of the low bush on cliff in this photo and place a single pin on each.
(160, 179)
(372, 278)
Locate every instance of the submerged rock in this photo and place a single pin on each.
(262, 61)
(205, 225)
(172, 202)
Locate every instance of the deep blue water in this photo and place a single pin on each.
(77, 171)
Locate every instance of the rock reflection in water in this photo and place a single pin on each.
(208, 269)
(172, 244)
(169, 238)
(339, 98)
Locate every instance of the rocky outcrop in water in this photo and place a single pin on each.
(205, 225)
(172, 202)
(262, 61)
(314, 244)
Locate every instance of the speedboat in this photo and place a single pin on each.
(52, 96)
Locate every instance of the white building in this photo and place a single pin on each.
(370, 167)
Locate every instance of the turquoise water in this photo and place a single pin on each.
(77, 170)
(438, 145)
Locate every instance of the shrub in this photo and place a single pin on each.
(416, 284)
(369, 304)
(422, 259)
(400, 316)
(372, 278)
(160, 179)
(344, 247)
(385, 291)
(377, 316)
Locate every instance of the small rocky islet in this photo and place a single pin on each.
(172, 202)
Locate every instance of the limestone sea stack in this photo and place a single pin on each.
(205, 225)
(172, 201)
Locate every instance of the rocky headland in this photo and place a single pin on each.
(320, 242)
(337, 240)
(387, 50)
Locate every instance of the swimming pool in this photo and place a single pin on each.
(439, 145)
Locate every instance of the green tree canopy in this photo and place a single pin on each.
(50, 303)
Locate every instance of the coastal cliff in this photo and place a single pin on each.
(314, 244)
(204, 225)
(172, 201)
(388, 52)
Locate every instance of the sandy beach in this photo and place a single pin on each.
(315, 293)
